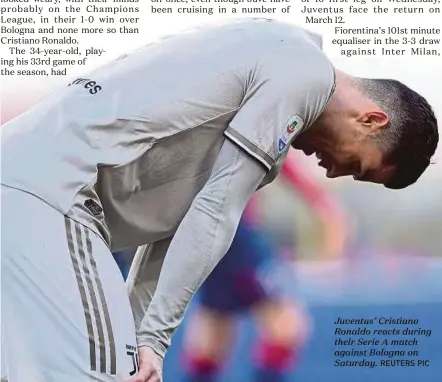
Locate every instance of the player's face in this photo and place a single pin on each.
(347, 151)
(362, 160)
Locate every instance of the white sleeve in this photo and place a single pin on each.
(202, 239)
(143, 277)
(285, 94)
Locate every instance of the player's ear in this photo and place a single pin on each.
(373, 121)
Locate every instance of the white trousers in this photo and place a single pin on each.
(65, 312)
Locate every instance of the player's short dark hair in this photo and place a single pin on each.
(410, 139)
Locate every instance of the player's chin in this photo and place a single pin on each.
(330, 172)
(334, 171)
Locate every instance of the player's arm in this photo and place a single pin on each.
(282, 98)
(202, 239)
(143, 276)
(328, 211)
